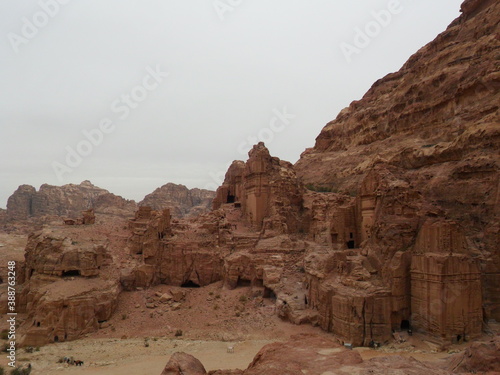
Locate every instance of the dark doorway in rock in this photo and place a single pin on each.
(31, 272)
(65, 336)
(243, 282)
(231, 198)
(237, 204)
(71, 273)
(305, 300)
(350, 244)
(351, 236)
(269, 293)
(56, 338)
(459, 338)
(405, 325)
(190, 284)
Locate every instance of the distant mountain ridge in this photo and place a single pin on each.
(69, 200)
(181, 200)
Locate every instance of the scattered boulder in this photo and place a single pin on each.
(183, 364)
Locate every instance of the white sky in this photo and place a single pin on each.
(228, 75)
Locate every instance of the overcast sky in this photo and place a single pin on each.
(132, 94)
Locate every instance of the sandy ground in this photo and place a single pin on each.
(130, 356)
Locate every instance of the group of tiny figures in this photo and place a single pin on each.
(71, 361)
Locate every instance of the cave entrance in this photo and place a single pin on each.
(56, 338)
(71, 273)
(459, 338)
(269, 293)
(405, 325)
(230, 198)
(190, 284)
(243, 283)
(350, 244)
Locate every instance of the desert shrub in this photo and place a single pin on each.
(321, 188)
(124, 316)
(20, 371)
(243, 299)
(178, 333)
(4, 335)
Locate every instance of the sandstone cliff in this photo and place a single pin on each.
(68, 200)
(420, 153)
(436, 120)
(179, 199)
(70, 285)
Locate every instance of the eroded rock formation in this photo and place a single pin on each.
(266, 189)
(391, 222)
(183, 364)
(180, 200)
(68, 201)
(69, 287)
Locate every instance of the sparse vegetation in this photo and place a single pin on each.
(4, 334)
(321, 188)
(243, 299)
(124, 316)
(20, 371)
(178, 333)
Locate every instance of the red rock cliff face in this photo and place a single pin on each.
(437, 119)
(267, 190)
(180, 200)
(68, 200)
(422, 144)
